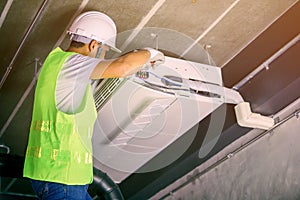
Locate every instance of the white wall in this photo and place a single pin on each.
(267, 169)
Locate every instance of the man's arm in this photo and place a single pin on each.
(125, 65)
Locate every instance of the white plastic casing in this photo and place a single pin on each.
(246, 118)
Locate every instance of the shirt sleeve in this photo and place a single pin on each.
(72, 82)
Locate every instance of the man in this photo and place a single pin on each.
(59, 152)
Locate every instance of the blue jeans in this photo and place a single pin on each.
(57, 191)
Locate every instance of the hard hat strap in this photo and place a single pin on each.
(99, 52)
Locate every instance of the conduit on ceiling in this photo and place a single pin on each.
(24, 39)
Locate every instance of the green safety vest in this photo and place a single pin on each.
(59, 146)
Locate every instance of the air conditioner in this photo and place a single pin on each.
(141, 115)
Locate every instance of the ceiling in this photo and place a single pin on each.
(238, 35)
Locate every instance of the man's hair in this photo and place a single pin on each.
(76, 44)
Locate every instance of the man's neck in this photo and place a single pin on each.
(81, 50)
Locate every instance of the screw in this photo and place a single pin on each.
(230, 155)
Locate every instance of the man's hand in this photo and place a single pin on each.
(156, 58)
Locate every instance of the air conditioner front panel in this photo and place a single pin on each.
(123, 146)
(142, 117)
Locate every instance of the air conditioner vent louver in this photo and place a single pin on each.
(107, 88)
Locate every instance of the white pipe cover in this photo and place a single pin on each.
(246, 118)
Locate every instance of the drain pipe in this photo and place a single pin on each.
(12, 62)
(5, 147)
(105, 187)
(266, 64)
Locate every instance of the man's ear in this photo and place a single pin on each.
(92, 45)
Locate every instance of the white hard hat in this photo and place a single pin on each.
(94, 25)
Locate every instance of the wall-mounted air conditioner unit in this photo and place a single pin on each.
(141, 115)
